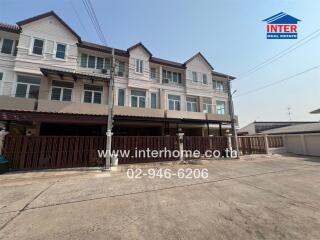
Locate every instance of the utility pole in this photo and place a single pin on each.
(110, 113)
(231, 109)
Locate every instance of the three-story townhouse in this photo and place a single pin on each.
(54, 83)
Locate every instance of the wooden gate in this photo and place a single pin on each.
(252, 145)
(39, 152)
(205, 143)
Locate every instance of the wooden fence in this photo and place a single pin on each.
(39, 152)
(252, 145)
(202, 144)
(275, 141)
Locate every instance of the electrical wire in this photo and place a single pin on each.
(277, 82)
(281, 54)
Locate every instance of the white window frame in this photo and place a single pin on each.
(28, 89)
(138, 99)
(219, 86)
(204, 74)
(218, 109)
(174, 103)
(156, 100)
(155, 73)
(193, 104)
(205, 106)
(139, 66)
(43, 48)
(95, 61)
(92, 96)
(194, 80)
(170, 81)
(124, 97)
(61, 94)
(55, 51)
(12, 48)
(103, 62)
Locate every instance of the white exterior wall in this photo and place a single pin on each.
(52, 31)
(7, 62)
(303, 144)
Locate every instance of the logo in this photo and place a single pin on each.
(282, 26)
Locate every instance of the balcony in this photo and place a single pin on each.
(138, 112)
(14, 103)
(71, 107)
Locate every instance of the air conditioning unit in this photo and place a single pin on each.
(105, 71)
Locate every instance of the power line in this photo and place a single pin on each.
(282, 53)
(79, 19)
(279, 81)
(94, 20)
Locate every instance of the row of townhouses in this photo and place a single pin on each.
(54, 83)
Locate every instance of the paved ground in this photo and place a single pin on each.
(259, 198)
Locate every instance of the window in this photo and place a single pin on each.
(92, 62)
(153, 73)
(171, 77)
(27, 87)
(121, 96)
(139, 66)
(108, 63)
(192, 104)
(100, 62)
(38, 46)
(194, 77)
(84, 60)
(138, 99)
(61, 91)
(174, 102)
(207, 105)
(7, 46)
(120, 69)
(15, 51)
(92, 94)
(153, 100)
(221, 107)
(61, 51)
(204, 78)
(218, 86)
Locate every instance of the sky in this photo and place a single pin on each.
(229, 33)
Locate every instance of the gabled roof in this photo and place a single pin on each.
(139, 44)
(48, 14)
(10, 28)
(199, 55)
(167, 62)
(223, 75)
(102, 48)
(281, 18)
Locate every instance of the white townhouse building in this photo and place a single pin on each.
(54, 83)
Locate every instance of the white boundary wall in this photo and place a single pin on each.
(304, 144)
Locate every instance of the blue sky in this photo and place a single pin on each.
(230, 34)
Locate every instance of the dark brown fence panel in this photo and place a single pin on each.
(127, 148)
(202, 144)
(252, 145)
(275, 141)
(40, 152)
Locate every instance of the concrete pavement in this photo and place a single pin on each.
(260, 197)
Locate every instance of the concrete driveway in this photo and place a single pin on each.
(260, 197)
